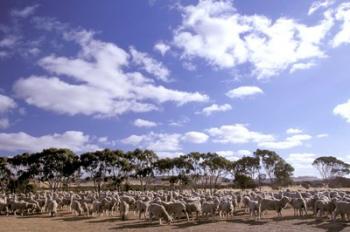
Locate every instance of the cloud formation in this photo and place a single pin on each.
(21, 141)
(98, 84)
(216, 32)
(244, 91)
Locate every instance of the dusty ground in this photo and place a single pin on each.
(66, 222)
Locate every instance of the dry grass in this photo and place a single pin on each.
(240, 222)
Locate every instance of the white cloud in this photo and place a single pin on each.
(343, 110)
(343, 15)
(301, 160)
(289, 142)
(234, 155)
(150, 65)
(144, 123)
(6, 104)
(294, 131)
(25, 12)
(161, 47)
(301, 66)
(215, 108)
(195, 137)
(318, 4)
(237, 133)
(244, 91)
(323, 135)
(180, 122)
(159, 142)
(9, 41)
(74, 140)
(100, 86)
(217, 33)
(164, 142)
(4, 123)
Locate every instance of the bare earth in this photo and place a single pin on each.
(66, 222)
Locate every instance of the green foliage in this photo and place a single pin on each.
(243, 181)
(329, 166)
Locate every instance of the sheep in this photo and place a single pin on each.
(176, 209)
(271, 204)
(142, 207)
(96, 207)
(194, 206)
(158, 211)
(323, 205)
(299, 206)
(52, 207)
(124, 209)
(210, 207)
(342, 208)
(252, 206)
(76, 207)
(225, 208)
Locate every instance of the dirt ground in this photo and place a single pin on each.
(67, 223)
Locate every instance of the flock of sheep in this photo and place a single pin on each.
(173, 205)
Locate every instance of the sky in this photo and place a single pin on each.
(177, 76)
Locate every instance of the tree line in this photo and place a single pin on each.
(61, 167)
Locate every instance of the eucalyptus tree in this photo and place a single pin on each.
(119, 166)
(329, 166)
(215, 167)
(5, 173)
(90, 163)
(56, 166)
(143, 164)
(196, 171)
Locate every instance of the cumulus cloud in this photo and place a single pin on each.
(240, 134)
(215, 108)
(343, 110)
(294, 131)
(150, 65)
(6, 104)
(323, 135)
(161, 47)
(217, 33)
(316, 5)
(342, 15)
(195, 137)
(95, 83)
(301, 160)
(25, 12)
(21, 141)
(234, 155)
(289, 142)
(159, 142)
(244, 91)
(144, 123)
(9, 41)
(301, 66)
(164, 142)
(4, 123)
(237, 133)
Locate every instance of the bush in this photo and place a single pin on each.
(244, 182)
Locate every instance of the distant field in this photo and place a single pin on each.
(67, 223)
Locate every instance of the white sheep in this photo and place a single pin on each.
(52, 207)
(158, 211)
(124, 209)
(342, 208)
(176, 209)
(299, 206)
(272, 204)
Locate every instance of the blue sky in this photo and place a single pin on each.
(177, 76)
